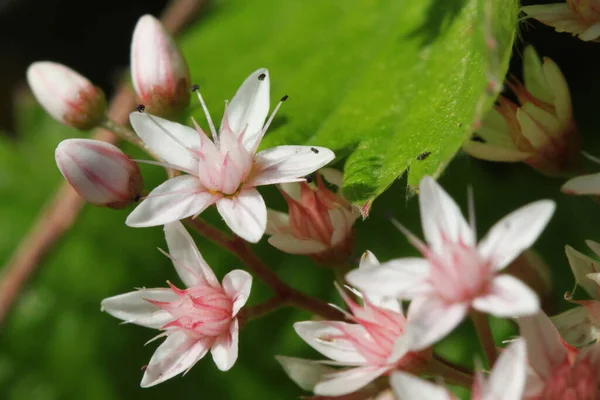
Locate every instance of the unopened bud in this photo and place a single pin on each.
(66, 95)
(159, 72)
(101, 173)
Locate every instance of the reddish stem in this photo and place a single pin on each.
(482, 327)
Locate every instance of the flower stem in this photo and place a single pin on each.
(482, 327)
(250, 313)
(451, 373)
(283, 292)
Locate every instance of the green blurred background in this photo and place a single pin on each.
(56, 344)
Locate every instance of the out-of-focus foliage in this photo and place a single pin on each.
(324, 54)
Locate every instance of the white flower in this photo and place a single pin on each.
(579, 17)
(226, 170)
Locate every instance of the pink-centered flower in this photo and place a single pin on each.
(506, 380)
(197, 319)
(580, 18)
(457, 274)
(66, 95)
(580, 326)
(159, 72)
(101, 173)
(367, 347)
(539, 129)
(225, 170)
(557, 370)
(319, 222)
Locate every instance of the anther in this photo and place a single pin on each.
(194, 87)
(284, 98)
(262, 77)
(309, 178)
(141, 108)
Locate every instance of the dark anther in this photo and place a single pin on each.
(137, 198)
(194, 87)
(423, 155)
(314, 150)
(308, 178)
(141, 107)
(389, 215)
(262, 77)
(476, 138)
(284, 98)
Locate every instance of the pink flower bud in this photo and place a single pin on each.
(100, 172)
(159, 72)
(66, 95)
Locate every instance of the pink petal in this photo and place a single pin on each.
(176, 354)
(407, 386)
(507, 380)
(305, 373)
(516, 232)
(133, 307)
(237, 285)
(249, 107)
(430, 319)
(225, 349)
(188, 262)
(404, 277)
(545, 349)
(348, 381)
(172, 142)
(290, 244)
(325, 338)
(289, 163)
(441, 218)
(175, 199)
(245, 214)
(508, 297)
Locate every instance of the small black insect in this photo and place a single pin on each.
(314, 150)
(423, 155)
(141, 107)
(476, 138)
(194, 87)
(262, 77)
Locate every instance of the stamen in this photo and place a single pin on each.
(590, 157)
(471, 203)
(177, 263)
(413, 239)
(141, 108)
(211, 125)
(266, 126)
(162, 334)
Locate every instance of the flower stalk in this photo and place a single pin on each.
(484, 332)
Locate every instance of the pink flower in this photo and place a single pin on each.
(456, 274)
(581, 325)
(226, 170)
(557, 370)
(197, 319)
(579, 17)
(539, 130)
(367, 346)
(101, 173)
(319, 223)
(66, 95)
(159, 73)
(506, 381)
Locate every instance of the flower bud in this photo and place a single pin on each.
(319, 223)
(66, 95)
(539, 129)
(159, 72)
(101, 173)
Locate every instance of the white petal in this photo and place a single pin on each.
(348, 381)
(407, 386)
(440, 216)
(342, 220)
(305, 373)
(584, 184)
(175, 199)
(576, 328)
(489, 152)
(507, 380)
(582, 266)
(404, 278)
(249, 107)
(322, 336)
(289, 163)
(545, 350)
(516, 232)
(368, 261)
(225, 349)
(171, 141)
(558, 16)
(430, 319)
(332, 176)
(133, 307)
(508, 297)
(237, 285)
(288, 243)
(245, 214)
(591, 33)
(189, 263)
(277, 222)
(176, 354)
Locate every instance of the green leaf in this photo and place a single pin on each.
(380, 81)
